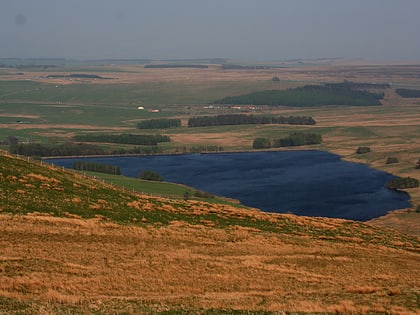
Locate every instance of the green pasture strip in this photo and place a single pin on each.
(142, 186)
(161, 189)
(31, 134)
(16, 87)
(145, 94)
(98, 115)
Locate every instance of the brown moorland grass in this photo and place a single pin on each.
(49, 263)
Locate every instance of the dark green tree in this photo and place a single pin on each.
(363, 150)
(150, 175)
(12, 140)
(261, 143)
(391, 160)
(402, 183)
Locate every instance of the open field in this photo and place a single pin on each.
(36, 108)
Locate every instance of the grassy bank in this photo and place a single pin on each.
(74, 244)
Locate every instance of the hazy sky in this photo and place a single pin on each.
(240, 29)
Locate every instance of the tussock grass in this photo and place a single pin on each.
(90, 264)
(104, 250)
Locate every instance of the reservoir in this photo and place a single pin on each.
(310, 183)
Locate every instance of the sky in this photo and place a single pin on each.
(185, 29)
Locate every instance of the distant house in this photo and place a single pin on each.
(140, 107)
(154, 110)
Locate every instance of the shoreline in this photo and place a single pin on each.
(346, 159)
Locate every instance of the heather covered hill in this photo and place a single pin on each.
(73, 244)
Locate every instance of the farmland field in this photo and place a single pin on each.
(34, 107)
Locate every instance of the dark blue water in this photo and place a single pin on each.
(310, 183)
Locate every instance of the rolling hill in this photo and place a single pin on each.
(72, 244)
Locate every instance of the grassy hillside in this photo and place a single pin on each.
(73, 244)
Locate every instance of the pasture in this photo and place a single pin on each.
(35, 108)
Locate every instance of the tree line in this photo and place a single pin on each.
(159, 123)
(66, 149)
(150, 175)
(408, 92)
(242, 119)
(200, 148)
(96, 167)
(345, 93)
(402, 183)
(76, 149)
(295, 139)
(123, 139)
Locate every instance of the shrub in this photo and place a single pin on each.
(391, 160)
(261, 143)
(363, 150)
(150, 175)
(203, 194)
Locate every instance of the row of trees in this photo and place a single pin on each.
(159, 123)
(123, 139)
(199, 148)
(96, 167)
(408, 92)
(360, 85)
(295, 139)
(309, 95)
(150, 175)
(76, 149)
(242, 119)
(402, 183)
(67, 149)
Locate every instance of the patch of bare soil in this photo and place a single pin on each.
(18, 115)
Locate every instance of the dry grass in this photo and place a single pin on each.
(79, 263)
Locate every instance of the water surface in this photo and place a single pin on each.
(311, 183)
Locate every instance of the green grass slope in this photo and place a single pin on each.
(29, 186)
